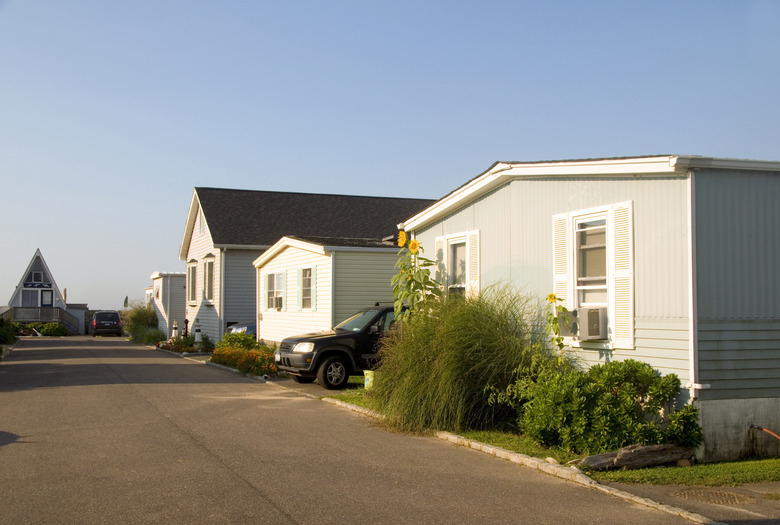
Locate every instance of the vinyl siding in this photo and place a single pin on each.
(516, 238)
(207, 314)
(240, 297)
(362, 279)
(170, 304)
(276, 325)
(738, 248)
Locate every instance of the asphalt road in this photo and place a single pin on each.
(101, 431)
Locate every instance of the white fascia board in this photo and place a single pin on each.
(502, 172)
(389, 249)
(189, 226)
(286, 242)
(157, 275)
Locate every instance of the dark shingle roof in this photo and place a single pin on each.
(260, 218)
(346, 242)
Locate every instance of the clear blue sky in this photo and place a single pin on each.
(111, 112)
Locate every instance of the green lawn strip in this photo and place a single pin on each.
(709, 474)
(713, 474)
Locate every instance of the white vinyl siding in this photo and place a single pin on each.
(361, 279)
(619, 266)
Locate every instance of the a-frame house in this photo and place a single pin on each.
(37, 298)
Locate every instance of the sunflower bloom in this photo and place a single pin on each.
(401, 239)
(414, 246)
(552, 298)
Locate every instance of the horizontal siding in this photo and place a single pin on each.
(362, 279)
(240, 297)
(516, 239)
(663, 344)
(739, 360)
(208, 315)
(276, 325)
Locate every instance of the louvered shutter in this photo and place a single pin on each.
(561, 260)
(284, 291)
(473, 276)
(314, 288)
(622, 298)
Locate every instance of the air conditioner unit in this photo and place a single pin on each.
(591, 324)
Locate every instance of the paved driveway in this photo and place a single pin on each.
(101, 431)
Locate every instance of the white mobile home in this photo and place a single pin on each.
(167, 298)
(674, 257)
(310, 284)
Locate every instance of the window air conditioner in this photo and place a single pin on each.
(277, 303)
(592, 324)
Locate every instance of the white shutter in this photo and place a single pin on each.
(284, 291)
(314, 288)
(472, 272)
(439, 258)
(562, 260)
(622, 293)
(299, 287)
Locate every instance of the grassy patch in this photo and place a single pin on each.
(711, 474)
(519, 444)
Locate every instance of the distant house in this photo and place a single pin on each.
(671, 260)
(37, 298)
(227, 230)
(309, 284)
(166, 297)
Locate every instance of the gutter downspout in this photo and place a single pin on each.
(693, 309)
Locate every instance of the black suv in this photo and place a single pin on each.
(107, 322)
(332, 356)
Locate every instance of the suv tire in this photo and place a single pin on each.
(333, 374)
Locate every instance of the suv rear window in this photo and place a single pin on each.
(107, 316)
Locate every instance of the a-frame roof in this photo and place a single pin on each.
(257, 219)
(19, 287)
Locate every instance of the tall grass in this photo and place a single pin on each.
(440, 367)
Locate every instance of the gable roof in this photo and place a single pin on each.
(257, 219)
(38, 256)
(321, 245)
(502, 172)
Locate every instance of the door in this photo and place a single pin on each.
(47, 298)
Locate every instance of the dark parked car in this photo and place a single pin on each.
(332, 356)
(106, 322)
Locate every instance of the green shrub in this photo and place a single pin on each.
(604, 408)
(51, 329)
(137, 321)
(238, 340)
(206, 345)
(227, 356)
(153, 336)
(439, 368)
(8, 331)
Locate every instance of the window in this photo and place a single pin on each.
(192, 271)
(208, 280)
(456, 276)
(275, 290)
(306, 288)
(457, 262)
(47, 298)
(593, 265)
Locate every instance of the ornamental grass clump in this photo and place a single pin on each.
(441, 365)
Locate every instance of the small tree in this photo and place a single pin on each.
(412, 285)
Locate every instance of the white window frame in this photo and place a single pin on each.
(208, 279)
(620, 270)
(301, 298)
(444, 246)
(278, 290)
(192, 282)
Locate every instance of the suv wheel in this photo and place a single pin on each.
(333, 373)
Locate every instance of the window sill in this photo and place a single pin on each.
(589, 345)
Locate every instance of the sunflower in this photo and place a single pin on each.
(552, 298)
(401, 239)
(414, 246)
